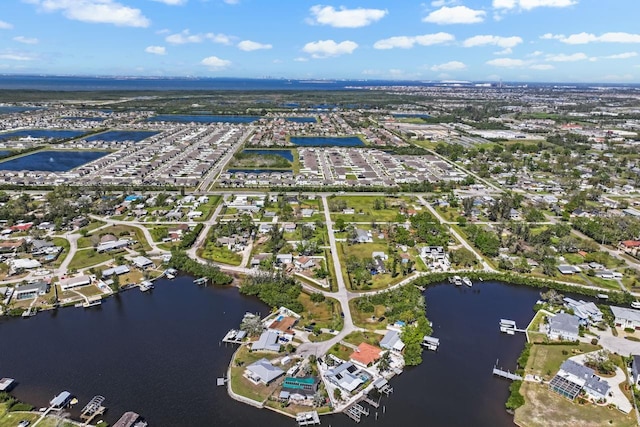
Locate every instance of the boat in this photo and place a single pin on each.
(467, 281)
(201, 281)
(603, 296)
(457, 280)
(93, 303)
(170, 273)
(146, 286)
(635, 304)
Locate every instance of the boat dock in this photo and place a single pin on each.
(382, 385)
(92, 301)
(234, 336)
(93, 409)
(509, 327)
(146, 286)
(356, 411)
(221, 381)
(505, 374)
(431, 343)
(370, 401)
(201, 281)
(7, 384)
(308, 418)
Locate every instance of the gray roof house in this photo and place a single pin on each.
(597, 388)
(363, 236)
(570, 379)
(31, 290)
(267, 341)
(344, 376)
(564, 326)
(568, 269)
(392, 341)
(263, 371)
(587, 312)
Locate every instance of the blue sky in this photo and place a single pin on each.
(513, 40)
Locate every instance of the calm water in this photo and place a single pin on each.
(302, 119)
(320, 141)
(287, 154)
(52, 161)
(4, 153)
(41, 133)
(121, 136)
(411, 116)
(86, 119)
(203, 119)
(7, 109)
(159, 354)
(258, 170)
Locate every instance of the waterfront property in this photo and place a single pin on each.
(572, 378)
(344, 376)
(262, 372)
(121, 136)
(51, 161)
(30, 291)
(203, 119)
(40, 134)
(564, 326)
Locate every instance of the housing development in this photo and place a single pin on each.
(340, 218)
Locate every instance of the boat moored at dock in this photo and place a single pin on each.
(467, 281)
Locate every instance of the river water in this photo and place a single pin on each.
(159, 354)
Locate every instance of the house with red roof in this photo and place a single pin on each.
(365, 354)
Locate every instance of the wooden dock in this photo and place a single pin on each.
(371, 402)
(506, 374)
(93, 409)
(509, 327)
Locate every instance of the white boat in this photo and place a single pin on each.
(467, 281)
(146, 285)
(170, 276)
(457, 280)
(93, 303)
(635, 304)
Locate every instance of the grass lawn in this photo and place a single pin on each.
(88, 257)
(364, 320)
(545, 408)
(221, 254)
(86, 242)
(545, 360)
(243, 386)
(321, 337)
(89, 290)
(208, 208)
(325, 314)
(64, 243)
(364, 212)
(356, 338)
(92, 226)
(573, 259)
(341, 351)
(607, 284)
(364, 251)
(536, 322)
(127, 231)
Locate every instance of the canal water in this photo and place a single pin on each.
(159, 354)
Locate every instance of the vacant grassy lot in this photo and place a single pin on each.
(221, 254)
(325, 314)
(88, 257)
(64, 244)
(364, 208)
(365, 320)
(544, 408)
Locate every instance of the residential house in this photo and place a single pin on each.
(344, 376)
(632, 247)
(284, 259)
(142, 262)
(300, 388)
(365, 354)
(74, 282)
(587, 312)
(112, 246)
(7, 246)
(568, 269)
(363, 236)
(392, 341)
(268, 341)
(118, 270)
(564, 326)
(304, 262)
(262, 371)
(30, 290)
(283, 324)
(307, 213)
(626, 317)
(288, 227)
(570, 379)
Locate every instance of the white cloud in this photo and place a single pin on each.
(345, 18)
(172, 2)
(567, 58)
(542, 67)
(532, 4)
(185, 37)
(506, 62)
(16, 56)
(95, 12)
(232, 1)
(301, 59)
(584, 38)
(214, 63)
(484, 40)
(26, 40)
(407, 42)
(449, 66)
(156, 50)
(327, 48)
(5, 25)
(624, 55)
(455, 15)
(550, 36)
(248, 46)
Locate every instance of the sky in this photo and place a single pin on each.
(476, 40)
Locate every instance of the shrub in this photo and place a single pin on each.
(594, 341)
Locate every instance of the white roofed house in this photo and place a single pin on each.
(142, 262)
(626, 317)
(564, 326)
(74, 282)
(587, 312)
(263, 372)
(392, 341)
(344, 376)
